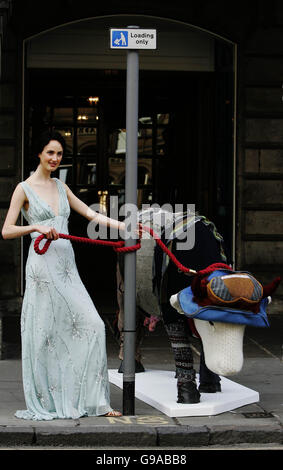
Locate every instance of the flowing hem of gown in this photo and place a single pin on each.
(48, 416)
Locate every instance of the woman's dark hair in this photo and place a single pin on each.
(44, 139)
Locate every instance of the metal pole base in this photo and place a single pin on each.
(128, 398)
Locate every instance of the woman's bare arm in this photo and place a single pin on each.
(79, 206)
(11, 230)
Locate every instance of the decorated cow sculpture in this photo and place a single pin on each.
(213, 305)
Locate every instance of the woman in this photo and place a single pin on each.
(63, 338)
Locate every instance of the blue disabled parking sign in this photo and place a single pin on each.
(120, 39)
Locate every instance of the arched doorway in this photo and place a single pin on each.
(76, 84)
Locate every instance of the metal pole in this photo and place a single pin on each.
(130, 258)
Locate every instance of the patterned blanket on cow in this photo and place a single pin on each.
(209, 248)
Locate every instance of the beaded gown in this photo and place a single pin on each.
(64, 362)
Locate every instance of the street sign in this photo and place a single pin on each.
(132, 38)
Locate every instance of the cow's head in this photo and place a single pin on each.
(221, 302)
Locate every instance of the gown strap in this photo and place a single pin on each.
(61, 189)
(27, 189)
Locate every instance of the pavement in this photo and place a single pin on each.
(258, 425)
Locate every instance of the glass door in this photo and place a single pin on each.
(151, 149)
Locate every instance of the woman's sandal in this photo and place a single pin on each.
(113, 413)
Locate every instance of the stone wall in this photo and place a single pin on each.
(262, 177)
(10, 172)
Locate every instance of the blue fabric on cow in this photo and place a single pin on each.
(216, 313)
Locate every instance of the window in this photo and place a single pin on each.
(96, 151)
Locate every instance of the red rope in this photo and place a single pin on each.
(168, 252)
(213, 267)
(118, 246)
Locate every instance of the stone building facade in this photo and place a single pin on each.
(255, 29)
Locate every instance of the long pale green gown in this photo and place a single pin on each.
(64, 360)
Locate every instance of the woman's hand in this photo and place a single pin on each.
(140, 230)
(49, 232)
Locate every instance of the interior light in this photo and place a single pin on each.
(82, 117)
(93, 99)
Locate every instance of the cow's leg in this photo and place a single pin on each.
(179, 338)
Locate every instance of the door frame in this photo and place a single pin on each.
(234, 152)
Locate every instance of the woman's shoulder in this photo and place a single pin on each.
(20, 186)
(28, 180)
(19, 192)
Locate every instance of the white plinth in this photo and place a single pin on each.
(158, 388)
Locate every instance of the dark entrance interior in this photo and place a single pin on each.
(185, 144)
